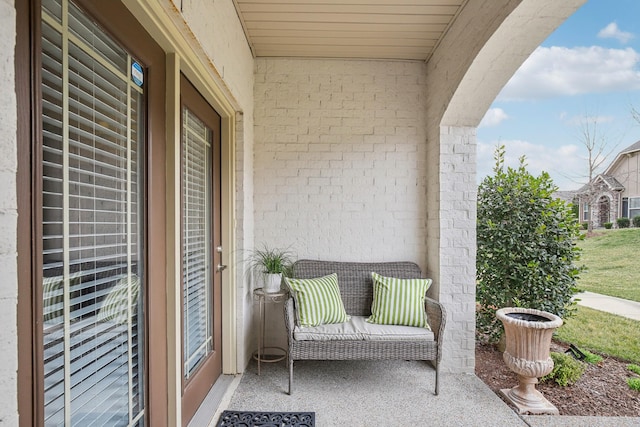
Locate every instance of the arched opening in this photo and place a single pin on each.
(462, 88)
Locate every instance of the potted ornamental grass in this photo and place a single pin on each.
(271, 264)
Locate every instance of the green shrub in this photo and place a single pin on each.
(566, 370)
(592, 358)
(608, 225)
(575, 210)
(636, 221)
(585, 225)
(634, 383)
(623, 222)
(526, 250)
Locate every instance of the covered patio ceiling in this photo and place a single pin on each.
(367, 29)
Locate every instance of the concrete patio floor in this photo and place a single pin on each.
(384, 393)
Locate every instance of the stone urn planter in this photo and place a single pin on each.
(528, 335)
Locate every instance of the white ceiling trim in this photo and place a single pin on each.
(364, 29)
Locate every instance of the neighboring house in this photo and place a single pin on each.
(615, 193)
(147, 144)
(568, 196)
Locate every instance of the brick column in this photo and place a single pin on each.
(457, 243)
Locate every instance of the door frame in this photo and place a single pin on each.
(179, 64)
(199, 385)
(185, 56)
(182, 55)
(122, 27)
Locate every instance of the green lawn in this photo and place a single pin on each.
(611, 258)
(604, 333)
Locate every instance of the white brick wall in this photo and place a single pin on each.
(245, 327)
(8, 219)
(343, 169)
(457, 245)
(340, 158)
(218, 30)
(482, 49)
(340, 161)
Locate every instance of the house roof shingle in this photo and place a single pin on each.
(612, 183)
(630, 149)
(635, 147)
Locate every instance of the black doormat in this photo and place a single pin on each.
(266, 419)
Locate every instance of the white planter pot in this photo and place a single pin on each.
(272, 282)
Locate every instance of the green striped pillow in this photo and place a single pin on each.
(399, 301)
(318, 300)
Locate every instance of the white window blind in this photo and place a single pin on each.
(196, 261)
(92, 116)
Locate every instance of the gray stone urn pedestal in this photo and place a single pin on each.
(528, 335)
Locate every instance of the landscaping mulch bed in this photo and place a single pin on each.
(601, 391)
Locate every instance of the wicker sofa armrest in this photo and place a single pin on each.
(437, 317)
(289, 317)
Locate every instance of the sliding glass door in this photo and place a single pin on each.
(92, 160)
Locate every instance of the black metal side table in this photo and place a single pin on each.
(261, 355)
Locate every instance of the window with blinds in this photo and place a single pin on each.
(196, 241)
(92, 160)
(634, 207)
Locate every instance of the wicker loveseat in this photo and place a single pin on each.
(356, 289)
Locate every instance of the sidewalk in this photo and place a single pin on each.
(613, 305)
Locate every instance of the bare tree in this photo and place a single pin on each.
(595, 141)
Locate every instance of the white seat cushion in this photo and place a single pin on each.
(357, 328)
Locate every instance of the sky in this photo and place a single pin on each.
(586, 72)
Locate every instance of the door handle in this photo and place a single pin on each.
(220, 267)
